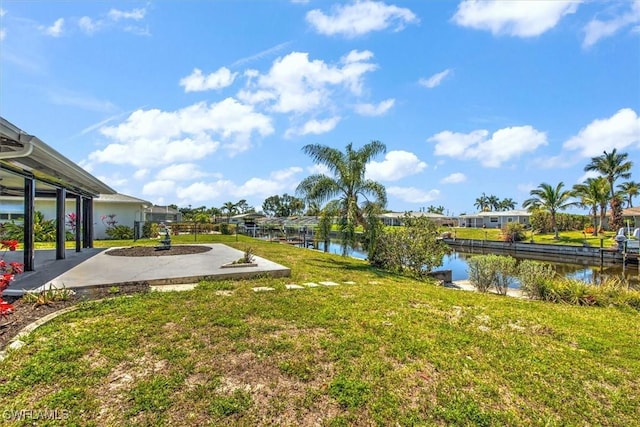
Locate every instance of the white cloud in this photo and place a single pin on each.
(360, 18)
(135, 14)
(395, 166)
(523, 18)
(598, 29)
(454, 178)
(279, 181)
(56, 29)
(504, 145)
(2, 12)
(115, 19)
(314, 127)
(196, 81)
(153, 137)
(88, 25)
(294, 84)
(180, 172)
(413, 195)
(163, 187)
(620, 131)
(286, 174)
(375, 110)
(203, 191)
(435, 80)
(141, 173)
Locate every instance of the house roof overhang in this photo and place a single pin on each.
(27, 155)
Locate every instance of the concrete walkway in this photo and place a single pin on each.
(95, 268)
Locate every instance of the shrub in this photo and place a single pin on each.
(492, 270)
(513, 232)
(120, 232)
(534, 278)
(150, 230)
(225, 228)
(480, 272)
(247, 257)
(414, 248)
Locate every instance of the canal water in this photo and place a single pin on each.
(574, 268)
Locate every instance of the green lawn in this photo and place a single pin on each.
(576, 238)
(386, 350)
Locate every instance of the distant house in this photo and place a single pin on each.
(395, 218)
(494, 219)
(633, 215)
(161, 214)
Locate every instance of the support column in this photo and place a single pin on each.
(29, 209)
(87, 207)
(61, 237)
(78, 223)
(85, 222)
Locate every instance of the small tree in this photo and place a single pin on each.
(513, 232)
(414, 248)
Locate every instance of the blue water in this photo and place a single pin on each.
(456, 262)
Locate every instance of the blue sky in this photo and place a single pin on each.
(204, 102)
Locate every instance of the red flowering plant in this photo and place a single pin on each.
(7, 274)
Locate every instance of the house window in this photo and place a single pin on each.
(494, 219)
(509, 219)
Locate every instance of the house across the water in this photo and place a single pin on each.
(494, 219)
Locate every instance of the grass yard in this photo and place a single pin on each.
(386, 350)
(576, 238)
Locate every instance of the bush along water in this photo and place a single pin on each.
(540, 281)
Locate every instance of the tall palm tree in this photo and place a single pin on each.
(494, 202)
(347, 184)
(612, 165)
(594, 193)
(551, 199)
(630, 189)
(482, 203)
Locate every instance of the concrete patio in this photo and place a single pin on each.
(94, 268)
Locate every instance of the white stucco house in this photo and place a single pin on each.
(118, 209)
(494, 219)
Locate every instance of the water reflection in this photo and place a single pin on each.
(572, 267)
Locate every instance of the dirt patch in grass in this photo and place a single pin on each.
(140, 251)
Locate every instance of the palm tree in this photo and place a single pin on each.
(482, 203)
(494, 202)
(230, 209)
(507, 204)
(348, 184)
(630, 189)
(613, 166)
(594, 193)
(550, 199)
